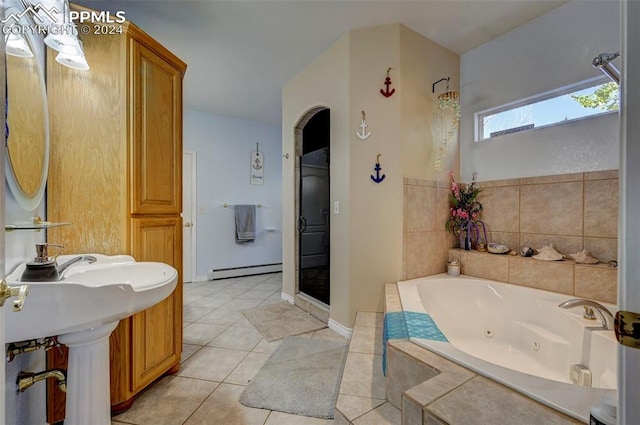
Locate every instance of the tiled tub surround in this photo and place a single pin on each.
(425, 240)
(597, 282)
(429, 389)
(572, 211)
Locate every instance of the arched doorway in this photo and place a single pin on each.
(312, 205)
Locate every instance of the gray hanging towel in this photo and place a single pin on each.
(245, 223)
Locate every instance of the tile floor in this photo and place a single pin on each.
(362, 397)
(222, 352)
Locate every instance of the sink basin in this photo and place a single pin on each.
(82, 309)
(88, 296)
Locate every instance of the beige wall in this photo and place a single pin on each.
(423, 63)
(425, 194)
(375, 222)
(367, 236)
(323, 83)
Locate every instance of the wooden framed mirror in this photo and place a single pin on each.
(27, 144)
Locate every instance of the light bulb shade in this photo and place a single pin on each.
(76, 61)
(18, 46)
(63, 38)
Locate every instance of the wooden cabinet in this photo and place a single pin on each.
(158, 330)
(157, 130)
(116, 174)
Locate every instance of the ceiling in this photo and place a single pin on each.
(241, 53)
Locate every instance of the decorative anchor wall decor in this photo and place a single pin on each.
(387, 82)
(378, 178)
(363, 134)
(257, 166)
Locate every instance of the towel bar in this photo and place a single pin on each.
(225, 205)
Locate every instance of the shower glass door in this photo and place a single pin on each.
(313, 225)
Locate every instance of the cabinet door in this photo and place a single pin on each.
(156, 116)
(157, 331)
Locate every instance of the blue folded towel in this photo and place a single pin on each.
(405, 325)
(245, 223)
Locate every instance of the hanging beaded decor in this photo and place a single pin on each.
(445, 123)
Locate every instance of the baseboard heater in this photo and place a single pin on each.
(244, 271)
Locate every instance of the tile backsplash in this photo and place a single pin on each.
(425, 240)
(571, 211)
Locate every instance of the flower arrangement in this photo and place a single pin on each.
(465, 208)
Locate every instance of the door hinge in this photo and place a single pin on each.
(626, 326)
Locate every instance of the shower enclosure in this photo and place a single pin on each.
(313, 214)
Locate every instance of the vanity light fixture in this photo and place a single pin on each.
(63, 37)
(76, 60)
(18, 46)
(16, 43)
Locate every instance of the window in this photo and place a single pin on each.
(589, 98)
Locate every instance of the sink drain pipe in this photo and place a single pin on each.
(27, 379)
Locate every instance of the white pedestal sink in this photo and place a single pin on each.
(83, 309)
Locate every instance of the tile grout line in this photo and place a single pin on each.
(203, 401)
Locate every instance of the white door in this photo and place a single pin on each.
(188, 216)
(2, 213)
(628, 229)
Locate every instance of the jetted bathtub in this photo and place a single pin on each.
(519, 337)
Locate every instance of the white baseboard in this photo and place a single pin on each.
(243, 271)
(286, 297)
(340, 329)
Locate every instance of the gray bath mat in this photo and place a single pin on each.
(279, 320)
(301, 377)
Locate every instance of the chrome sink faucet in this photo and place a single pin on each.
(45, 269)
(62, 268)
(605, 315)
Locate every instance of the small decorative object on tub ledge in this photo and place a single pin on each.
(453, 268)
(527, 251)
(496, 248)
(584, 257)
(548, 253)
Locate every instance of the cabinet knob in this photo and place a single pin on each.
(188, 224)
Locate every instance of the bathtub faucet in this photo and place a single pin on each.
(605, 315)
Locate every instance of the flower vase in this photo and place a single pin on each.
(465, 240)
